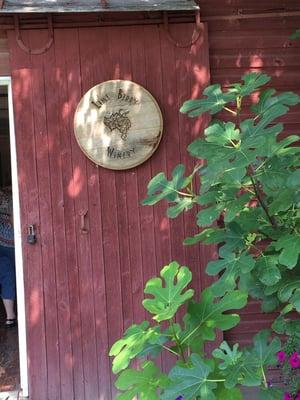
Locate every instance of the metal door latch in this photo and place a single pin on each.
(31, 236)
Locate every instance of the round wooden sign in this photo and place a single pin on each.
(118, 124)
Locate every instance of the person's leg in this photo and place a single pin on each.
(8, 283)
(9, 306)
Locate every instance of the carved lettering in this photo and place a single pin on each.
(128, 99)
(113, 152)
(99, 102)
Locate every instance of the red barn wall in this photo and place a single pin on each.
(82, 290)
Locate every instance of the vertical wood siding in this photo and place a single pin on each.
(4, 54)
(82, 291)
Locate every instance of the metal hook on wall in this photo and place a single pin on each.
(83, 227)
(41, 50)
(196, 34)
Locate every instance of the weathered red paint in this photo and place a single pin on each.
(82, 290)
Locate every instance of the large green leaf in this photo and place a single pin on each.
(236, 206)
(263, 352)
(274, 147)
(252, 81)
(233, 266)
(290, 249)
(160, 188)
(262, 128)
(267, 100)
(202, 149)
(234, 237)
(146, 383)
(229, 357)
(271, 394)
(132, 344)
(208, 215)
(207, 236)
(247, 369)
(293, 180)
(169, 295)
(213, 102)
(267, 268)
(190, 382)
(282, 201)
(274, 176)
(289, 291)
(225, 163)
(203, 318)
(222, 133)
(182, 204)
(154, 346)
(223, 393)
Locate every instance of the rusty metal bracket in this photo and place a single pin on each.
(196, 34)
(104, 3)
(41, 50)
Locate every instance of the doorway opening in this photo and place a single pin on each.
(13, 353)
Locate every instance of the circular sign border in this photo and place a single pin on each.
(154, 148)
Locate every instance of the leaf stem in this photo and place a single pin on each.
(179, 344)
(191, 334)
(264, 377)
(170, 350)
(229, 110)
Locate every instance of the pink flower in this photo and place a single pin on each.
(297, 397)
(294, 360)
(281, 356)
(288, 396)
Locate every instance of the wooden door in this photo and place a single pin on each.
(83, 290)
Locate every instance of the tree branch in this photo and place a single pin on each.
(260, 198)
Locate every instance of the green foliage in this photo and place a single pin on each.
(248, 204)
(132, 344)
(246, 366)
(190, 381)
(168, 298)
(203, 318)
(229, 357)
(250, 181)
(145, 383)
(271, 394)
(193, 375)
(234, 265)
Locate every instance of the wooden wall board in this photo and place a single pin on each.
(30, 206)
(4, 54)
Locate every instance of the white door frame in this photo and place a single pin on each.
(6, 81)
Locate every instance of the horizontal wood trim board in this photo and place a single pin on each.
(62, 6)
